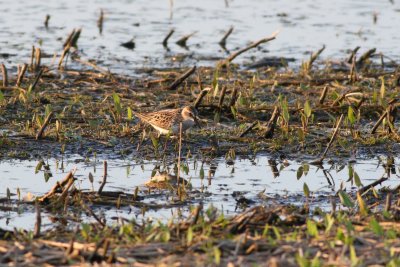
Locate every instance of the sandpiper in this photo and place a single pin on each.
(169, 120)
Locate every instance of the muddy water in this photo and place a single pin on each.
(305, 26)
(260, 181)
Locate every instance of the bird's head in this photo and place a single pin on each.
(190, 113)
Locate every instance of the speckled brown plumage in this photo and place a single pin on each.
(168, 120)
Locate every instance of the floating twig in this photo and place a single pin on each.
(253, 45)
(226, 35)
(103, 183)
(165, 41)
(181, 78)
(4, 73)
(269, 132)
(321, 159)
(45, 123)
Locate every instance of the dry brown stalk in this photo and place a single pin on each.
(323, 95)
(21, 74)
(232, 102)
(45, 123)
(183, 40)
(65, 191)
(100, 21)
(314, 57)
(251, 46)
(373, 184)
(4, 73)
(225, 37)
(179, 157)
(321, 159)
(388, 203)
(46, 21)
(353, 53)
(353, 70)
(35, 82)
(103, 183)
(58, 185)
(248, 129)
(71, 41)
(181, 78)
(221, 97)
(38, 56)
(165, 41)
(365, 57)
(269, 133)
(201, 96)
(38, 223)
(380, 120)
(32, 56)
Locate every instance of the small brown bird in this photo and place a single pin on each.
(169, 120)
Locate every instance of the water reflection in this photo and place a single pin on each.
(232, 186)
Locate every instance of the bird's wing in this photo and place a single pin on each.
(160, 118)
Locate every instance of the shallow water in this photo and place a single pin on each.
(244, 177)
(304, 27)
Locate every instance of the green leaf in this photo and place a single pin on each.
(351, 116)
(201, 172)
(39, 166)
(1, 97)
(117, 103)
(306, 169)
(312, 228)
(154, 140)
(361, 203)
(345, 199)
(351, 173)
(357, 180)
(306, 190)
(307, 109)
(300, 172)
(217, 255)
(129, 111)
(383, 88)
(376, 227)
(189, 236)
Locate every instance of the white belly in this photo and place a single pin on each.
(175, 129)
